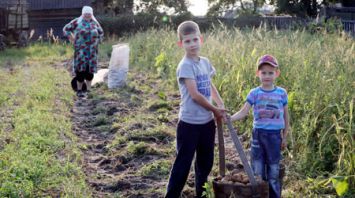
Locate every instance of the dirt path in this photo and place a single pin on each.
(108, 123)
(101, 118)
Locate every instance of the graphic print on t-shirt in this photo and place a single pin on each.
(268, 111)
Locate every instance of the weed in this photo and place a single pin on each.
(159, 168)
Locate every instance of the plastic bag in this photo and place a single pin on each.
(100, 76)
(119, 65)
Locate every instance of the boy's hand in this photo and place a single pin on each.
(227, 117)
(219, 113)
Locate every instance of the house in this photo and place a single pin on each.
(14, 23)
(13, 15)
(54, 14)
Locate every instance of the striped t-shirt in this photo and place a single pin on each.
(268, 107)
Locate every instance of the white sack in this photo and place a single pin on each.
(118, 67)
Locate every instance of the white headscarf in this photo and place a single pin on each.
(87, 10)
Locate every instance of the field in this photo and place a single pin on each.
(121, 143)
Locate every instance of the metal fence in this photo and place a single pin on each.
(349, 26)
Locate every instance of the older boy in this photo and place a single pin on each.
(270, 124)
(196, 126)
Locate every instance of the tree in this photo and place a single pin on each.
(146, 6)
(346, 3)
(298, 7)
(307, 8)
(219, 7)
(154, 6)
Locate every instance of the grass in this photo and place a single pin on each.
(317, 70)
(101, 119)
(35, 52)
(139, 149)
(158, 105)
(159, 168)
(35, 160)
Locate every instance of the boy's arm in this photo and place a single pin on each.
(200, 99)
(216, 97)
(287, 125)
(242, 112)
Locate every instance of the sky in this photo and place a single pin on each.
(198, 7)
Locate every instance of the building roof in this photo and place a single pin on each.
(57, 4)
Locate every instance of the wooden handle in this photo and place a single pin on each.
(240, 150)
(221, 151)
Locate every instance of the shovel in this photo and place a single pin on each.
(239, 148)
(222, 166)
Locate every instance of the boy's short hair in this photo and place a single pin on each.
(187, 27)
(268, 59)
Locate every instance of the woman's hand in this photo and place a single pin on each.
(71, 38)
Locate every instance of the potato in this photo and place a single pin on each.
(245, 180)
(236, 171)
(219, 178)
(227, 178)
(235, 178)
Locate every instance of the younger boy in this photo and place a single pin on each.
(270, 125)
(196, 126)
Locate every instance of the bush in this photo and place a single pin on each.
(126, 24)
(129, 24)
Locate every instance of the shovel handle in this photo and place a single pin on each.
(221, 150)
(239, 147)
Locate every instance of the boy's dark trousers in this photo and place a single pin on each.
(192, 138)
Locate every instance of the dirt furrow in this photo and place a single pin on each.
(93, 143)
(127, 139)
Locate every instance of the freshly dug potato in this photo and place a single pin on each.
(227, 178)
(236, 178)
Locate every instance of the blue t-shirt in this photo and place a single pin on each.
(201, 71)
(268, 107)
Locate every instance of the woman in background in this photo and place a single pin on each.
(85, 33)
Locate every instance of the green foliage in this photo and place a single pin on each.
(340, 184)
(157, 169)
(159, 104)
(243, 7)
(304, 8)
(316, 70)
(146, 6)
(156, 134)
(331, 25)
(127, 24)
(139, 149)
(30, 160)
(208, 192)
(35, 52)
(101, 119)
(163, 65)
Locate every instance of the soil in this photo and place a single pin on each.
(109, 171)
